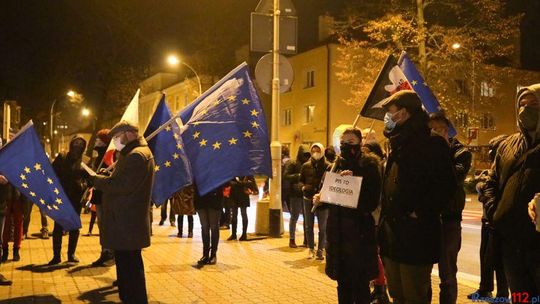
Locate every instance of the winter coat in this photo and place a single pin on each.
(292, 171)
(462, 159)
(241, 187)
(418, 183)
(351, 244)
(211, 200)
(311, 175)
(183, 201)
(515, 178)
(72, 176)
(126, 198)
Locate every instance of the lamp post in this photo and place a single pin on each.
(72, 95)
(456, 46)
(174, 61)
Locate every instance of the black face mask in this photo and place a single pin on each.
(349, 151)
(330, 156)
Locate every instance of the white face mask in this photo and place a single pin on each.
(389, 123)
(118, 143)
(317, 155)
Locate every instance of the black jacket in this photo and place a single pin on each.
(211, 200)
(462, 159)
(311, 175)
(418, 183)
(351, 243)
(292, 172)
(240, 187)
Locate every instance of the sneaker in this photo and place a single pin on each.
(292, 244)
(320, 255)
(480, 294)
(311, 254)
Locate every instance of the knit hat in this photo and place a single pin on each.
(123, 126)
(103, 135)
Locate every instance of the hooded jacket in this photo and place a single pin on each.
(515, 178)
(292, 171)
(312, 173)
(72, 176)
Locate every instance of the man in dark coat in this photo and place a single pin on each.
(418, 183)
(241, 188)
(351, 256)
(515, 181)
(72, 176)
(292, 176)
(451, 215)
(126, 209)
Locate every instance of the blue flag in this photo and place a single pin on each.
(24, 163)
(225, 132)
(430, 103)
(172, 171)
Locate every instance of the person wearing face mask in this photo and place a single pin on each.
(418, 184)
(351, 246)
(311, 175)
(126, 209)
(72, 176)
(515, 177)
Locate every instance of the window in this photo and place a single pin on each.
(462, 119)
(310, 79)
(487, 121)
(309, 114)
(286, 118)
(487, 89)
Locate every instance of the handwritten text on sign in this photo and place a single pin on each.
(341, 190)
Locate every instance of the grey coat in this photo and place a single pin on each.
(126, 198)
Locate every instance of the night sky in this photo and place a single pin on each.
(48, 47)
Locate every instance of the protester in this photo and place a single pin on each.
(515, 181)
(351, 248)
(208, 208)
(103, 139)
(241, 188)
(3, 205)
(292, 176)
(311, 175)
(418, 183)
(452, 213)
(330, 154)
(13, 221)
(67, 167)
(182, 203)
(490, 249)
(126, 206)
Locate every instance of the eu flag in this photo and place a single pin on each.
(172, 171)
(430, 103)
(24, 163)
(225, 132)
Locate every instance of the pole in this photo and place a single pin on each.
(7, 121)
(196, 75)
(51, 128)
(275, 145)
(473, 87)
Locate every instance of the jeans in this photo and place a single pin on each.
(14, 217)
(522, 269)
(210, 229)
(408, 284)
(295, 208)
(490, 252)
(164, 212)
(130, 276)
(234, 219)
(450, 246)
(309, 219)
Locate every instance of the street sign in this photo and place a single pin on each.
(285, 6)
(263, 74)
(262, 30)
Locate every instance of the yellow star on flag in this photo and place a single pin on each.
(245, 101)
(176, 136)
(232, 98)
(27, 170)
(33, 194)
(37, 166)
(255, 124)
(203, 142)
(178, 146)
(167, 164)
(55, 207)
(168, 128)
(247, 134)
(49, 180)
(414, 82)
(216, 145)
(42, 201)
(56, 191)
(49, 207)
(156, 168)
(25, 185)
(23, 177)
(232, 141)
(175, 155)
(254, 113)
(196, 135)
(59, 201)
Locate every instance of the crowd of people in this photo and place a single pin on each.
(408, 217)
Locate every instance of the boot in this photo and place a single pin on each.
(292, 244)
(204, 260)
(72, 245)
(379, 295)
(5, 252)
(213, 258)
(180, 232)
(16, 256)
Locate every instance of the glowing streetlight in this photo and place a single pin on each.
(71, 93)
(85, 112)
(456, 46)
(174, 61)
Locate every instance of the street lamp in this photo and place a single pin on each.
(174, 61)
(85, 112)
(72, 95)
(456, 46)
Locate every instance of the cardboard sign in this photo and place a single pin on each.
(341, 190)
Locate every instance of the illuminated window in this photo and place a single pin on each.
(487, 89)
(286, 118)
